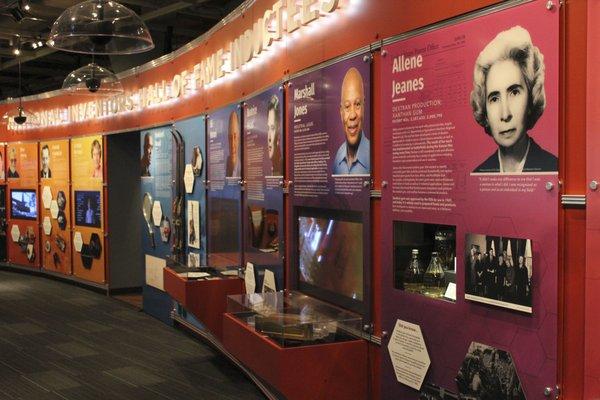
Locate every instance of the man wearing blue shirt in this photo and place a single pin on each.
(353, 156)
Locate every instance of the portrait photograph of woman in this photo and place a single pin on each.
(507, 99)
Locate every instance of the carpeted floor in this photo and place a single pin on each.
(58, 341)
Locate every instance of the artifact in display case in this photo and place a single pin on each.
(294, 319)
(417, 245)
(196, 271)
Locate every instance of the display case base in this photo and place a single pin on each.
(322, 371)
(204, 299)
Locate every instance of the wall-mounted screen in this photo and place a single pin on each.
(87, 208)
(330, 256)
(23, 204)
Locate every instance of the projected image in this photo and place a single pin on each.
(331, 255)
(23, 204)
(87, 208)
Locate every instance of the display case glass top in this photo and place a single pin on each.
(291, 318)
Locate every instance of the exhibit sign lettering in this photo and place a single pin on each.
(275, 24)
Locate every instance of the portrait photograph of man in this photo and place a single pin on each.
(146, 160)
(12, 163)
(233, 165)
(353, 155)
(45, 172)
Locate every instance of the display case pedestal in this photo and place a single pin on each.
(204, 299)
(322, 371)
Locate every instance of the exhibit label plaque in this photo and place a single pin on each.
(408, 353)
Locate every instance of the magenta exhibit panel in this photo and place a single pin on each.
(328, 118)
(224, 141)
(470, 146)
(263, 196)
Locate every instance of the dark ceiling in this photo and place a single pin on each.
(172, 24)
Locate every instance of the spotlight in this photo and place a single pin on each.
(34, 45)
(16, 52)
(93, 84)
(26, 7)
(40, 43)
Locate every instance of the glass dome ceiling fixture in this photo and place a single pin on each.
(92, 79)
(100, 27)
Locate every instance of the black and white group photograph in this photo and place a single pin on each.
(498, 271)
(488, 373)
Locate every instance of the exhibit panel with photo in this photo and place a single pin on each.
(224, 141)
(87, 160)
(328, 120)
(55, 206)
(263, 176)
(87, 208)
(470, 141)
(156, 213)
(193, 131)
(23, 204)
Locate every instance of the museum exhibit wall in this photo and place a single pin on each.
(553, 328)
(55, 206)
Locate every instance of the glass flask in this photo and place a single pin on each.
(444, 245)
(434, 275)
(414, 271)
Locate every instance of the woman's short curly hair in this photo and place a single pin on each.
(513, 44)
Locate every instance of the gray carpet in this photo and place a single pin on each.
(58, 341)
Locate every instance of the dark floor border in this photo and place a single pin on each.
(212, 341)
(95, 287)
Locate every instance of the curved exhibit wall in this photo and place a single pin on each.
(517, 330)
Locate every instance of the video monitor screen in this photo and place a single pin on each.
(87, 208)
(23, 204)
(330, 257)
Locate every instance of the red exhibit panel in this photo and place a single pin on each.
(470, 154)
(204, 299)
(325, 371)
(88, 208)
(55, 206)
(23, 207)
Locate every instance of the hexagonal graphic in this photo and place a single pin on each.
(46, 197)
(156, 213)
(77, 241)
(188, 178)
(488, 373)
(408, 353)
(54, 209)
(15, 232)
(47, 225)
(498, 271)
(95, 246)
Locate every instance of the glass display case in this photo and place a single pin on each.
(425, 259)
(200, 272)
(292, 319)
